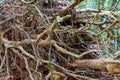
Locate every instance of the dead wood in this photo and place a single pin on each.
(111, 66)
(69, 8)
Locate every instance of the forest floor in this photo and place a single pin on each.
(42, 40)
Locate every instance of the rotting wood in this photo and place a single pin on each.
(110, 66)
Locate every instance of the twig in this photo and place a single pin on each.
(27, 67)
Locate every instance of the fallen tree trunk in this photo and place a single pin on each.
(110, 66)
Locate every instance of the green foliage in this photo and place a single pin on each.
(59, 19)
(118, 31)
(82, 73)
(81, 5)
(93, 26)
(92, 32)
(105, 4)
(115, 32)
(104, 34)
(1, 1)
